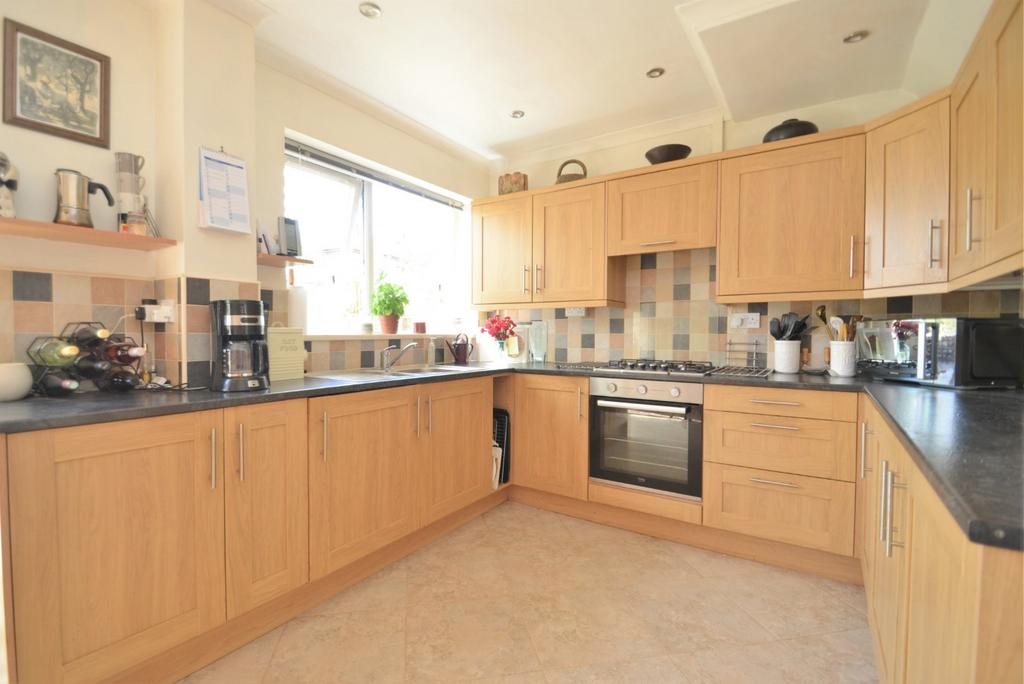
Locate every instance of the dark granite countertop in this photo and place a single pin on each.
(968, 444)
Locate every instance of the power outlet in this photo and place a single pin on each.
(745, 320)
(575, 311)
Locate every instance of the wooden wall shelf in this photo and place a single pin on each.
(56, 232)
(279, 260)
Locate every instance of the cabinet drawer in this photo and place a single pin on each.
(806, 511)
(818, 448)
(645, 502)
(794, 403)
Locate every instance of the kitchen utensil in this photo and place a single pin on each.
(775, 328)
(667, 153)
(835, 322)
(820, 314)
(126, 162)
(790, 128)
(844, 332)
(73, 190)
(569, 177)
(460, 348)
(15, 381)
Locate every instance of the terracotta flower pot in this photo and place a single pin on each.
(388, 324)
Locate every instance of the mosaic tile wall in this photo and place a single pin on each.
(670, 313)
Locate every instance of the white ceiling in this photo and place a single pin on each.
(576, 67)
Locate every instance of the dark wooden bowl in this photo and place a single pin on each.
(667, 153)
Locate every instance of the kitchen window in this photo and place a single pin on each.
(357, 225)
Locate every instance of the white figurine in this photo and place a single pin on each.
(8, 184)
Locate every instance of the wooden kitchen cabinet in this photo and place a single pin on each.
(667, 210)
(503, 251)
(792, 222)
(551, 431)
(987, 107)
(362, 475)
(906, 219)
(454, 467)
(570, 263)
(117, 533)
(267, 511)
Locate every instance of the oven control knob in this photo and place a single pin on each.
(641, 389)
(674, 392)
(611, 387)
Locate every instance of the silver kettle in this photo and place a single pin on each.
(73, 190)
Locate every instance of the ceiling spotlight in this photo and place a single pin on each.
(656, 72)
(370, 10)
(518, 114)
(856, 36)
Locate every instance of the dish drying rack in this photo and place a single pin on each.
(749, 369)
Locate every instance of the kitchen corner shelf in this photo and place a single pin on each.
(56, 232)
(279, 260)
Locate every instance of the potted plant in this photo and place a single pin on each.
(388, 304)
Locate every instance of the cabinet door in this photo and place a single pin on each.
(792, 220)
(502, 252)
(806, 511)
(455, 471)
(551, 434)
(361, 484)
(117, 535)
(668, 210)
(1006, 236)
(867, 489)
(907, 199)
(266, 509)
(570, 262)
(970, 203)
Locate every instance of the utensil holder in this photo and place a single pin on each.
(787, 356)
(843, 358)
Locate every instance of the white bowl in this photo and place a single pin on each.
(15, 381)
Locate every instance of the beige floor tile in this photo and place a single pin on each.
(383, 591)
(464, 640)
(359, 647)
(520, 678)
(247, 664)
(646, 671)
(455, 572)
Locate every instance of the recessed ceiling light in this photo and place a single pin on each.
(856, 36)
(656, 72)
(518, 114)
(370, 10)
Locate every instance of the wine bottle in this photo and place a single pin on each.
(57, 384)
(119, 380)
(91, 366)
(88, 336)
(57, 352)
(123, 353)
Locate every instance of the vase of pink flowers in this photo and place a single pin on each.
(500, 328)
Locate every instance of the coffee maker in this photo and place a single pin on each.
(240, 360)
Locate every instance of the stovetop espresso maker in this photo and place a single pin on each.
(73, 190)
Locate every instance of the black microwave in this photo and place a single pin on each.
(947, 352)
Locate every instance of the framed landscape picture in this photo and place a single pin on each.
(54, 86)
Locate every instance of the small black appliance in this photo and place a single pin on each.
(240, 360)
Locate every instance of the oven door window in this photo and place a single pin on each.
(648, 445)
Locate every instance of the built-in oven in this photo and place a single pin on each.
(647, 433)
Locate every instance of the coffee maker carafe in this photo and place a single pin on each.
(240, 360)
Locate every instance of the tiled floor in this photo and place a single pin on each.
(523, 596)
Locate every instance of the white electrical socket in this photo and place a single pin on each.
(575, 311)
(745, 320)
(159, 313)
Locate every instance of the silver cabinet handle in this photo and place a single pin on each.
(890, 484)
(883, 470)
(933, 260)
(418, 415)
(778, 483)
(537, 279)
(430, 415)
(647, 409)
(656, 243)
(774, 427)
(324, 452)
(241, 452)
(775, 403)
(579, 403)
(969, 231)
(864, 432)
(526, 274)
(852, 244)
(213, 458)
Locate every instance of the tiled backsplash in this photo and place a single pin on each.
(331, 355)
(670, 313)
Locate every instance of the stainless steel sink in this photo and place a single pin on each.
(356, 375)
(424, 370)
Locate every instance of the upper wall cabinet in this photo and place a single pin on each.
(792, 222)
(987, 110)
(667, 210)
(547, 249)
(907, 199)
